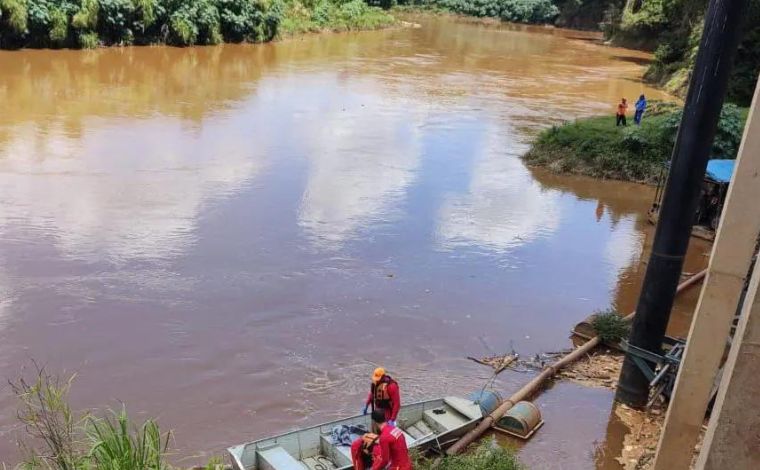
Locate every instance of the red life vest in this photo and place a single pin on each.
(380, 396)
(369, 441)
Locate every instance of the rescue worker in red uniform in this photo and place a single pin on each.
(364, 451)
(384, 395)
(385, 450)
(393, 453)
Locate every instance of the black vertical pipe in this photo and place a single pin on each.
(691, 152)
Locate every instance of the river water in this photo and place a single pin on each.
(231, 238)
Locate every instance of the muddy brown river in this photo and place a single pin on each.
(231, 238)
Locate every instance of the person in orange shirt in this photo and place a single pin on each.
(621, 110)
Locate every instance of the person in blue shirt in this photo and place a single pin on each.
(641, 106)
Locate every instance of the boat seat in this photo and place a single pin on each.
(318, 462)
(410, 440)
(345, 451)
(417, 431)
(447, 421)
(341, 455)
(277, 458)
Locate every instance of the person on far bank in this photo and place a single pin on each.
(641, 106)
(384, 394)
(621, 110)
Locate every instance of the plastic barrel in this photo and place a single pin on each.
(487, 399)
(521, 420)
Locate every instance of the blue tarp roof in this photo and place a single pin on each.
(720, 170)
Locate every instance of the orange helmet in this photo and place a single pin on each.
(378, 374)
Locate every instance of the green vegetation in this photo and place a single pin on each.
(610, 326)
(579, 14)
(589, 14)
(117, 446)
(487, 456)
(596, 147)
(672, 28)
(47, 417)
(89, 23)
(64, 440)
(518, 11)
(326, 15)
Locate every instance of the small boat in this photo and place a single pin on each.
(427, 424)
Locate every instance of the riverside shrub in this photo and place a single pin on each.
(610, 326)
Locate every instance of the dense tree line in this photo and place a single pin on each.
(517, 11)
(86, 23)
(90, 23)
(672, 29)
(520, 11)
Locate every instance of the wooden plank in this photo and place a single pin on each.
(729, 263)
(732, 439)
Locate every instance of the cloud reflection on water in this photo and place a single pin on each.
(125, 190)
(503, 207)
(361, 162)
(625, 245)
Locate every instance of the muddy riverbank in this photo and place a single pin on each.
(642, 428)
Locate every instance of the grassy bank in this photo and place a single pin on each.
(335, 16)
(94, 23)
(596, 147)
(488, 456)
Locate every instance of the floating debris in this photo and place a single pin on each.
(498, 363)
(596, 370)
(513, 362)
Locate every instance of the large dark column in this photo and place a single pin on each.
(691, 152)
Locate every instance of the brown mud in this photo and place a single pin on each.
(642, 428)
